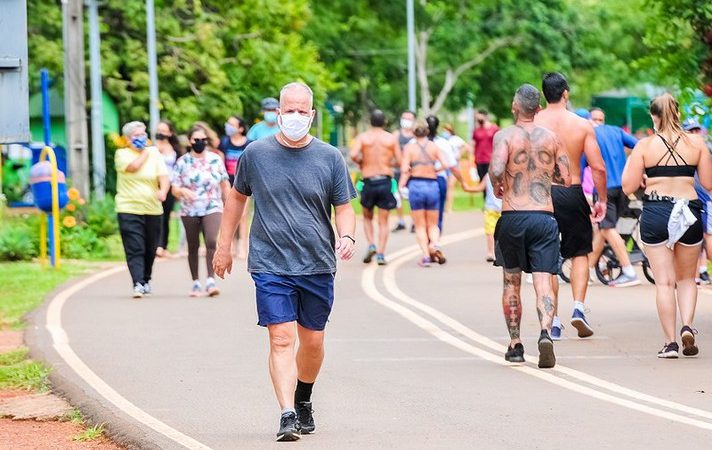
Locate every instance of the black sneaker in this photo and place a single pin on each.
(399, 227)
(687, 335)
(516, 354)
(669, 351)
(547, 360)
(305, 417)
(288, 427)
(704, 279)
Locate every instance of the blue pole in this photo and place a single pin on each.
(50, 227)
(44, 86)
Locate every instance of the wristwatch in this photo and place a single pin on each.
(349, 237)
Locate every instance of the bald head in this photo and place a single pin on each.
(296, 91)
(526, 100)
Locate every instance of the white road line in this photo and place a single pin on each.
(60, 342)
(400, 257)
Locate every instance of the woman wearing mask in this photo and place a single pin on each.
(213, 139)
(141, 185)
(418, 173)
(167, 144)
(201, 184)
(671, 225)
(233, 145)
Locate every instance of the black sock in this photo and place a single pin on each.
(303, 392)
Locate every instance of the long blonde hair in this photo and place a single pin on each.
(666, 108)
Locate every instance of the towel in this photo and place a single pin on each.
(681, 218)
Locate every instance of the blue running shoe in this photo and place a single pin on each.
(370, 253)
(578, 321)
(556, 332)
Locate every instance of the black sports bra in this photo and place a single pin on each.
(679, 169)
(428, 161)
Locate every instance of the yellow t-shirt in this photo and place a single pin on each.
(136, 191)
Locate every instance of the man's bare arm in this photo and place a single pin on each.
(234, 206)
(397, 152)
(498, 163)
(595, 162)
(356, 154)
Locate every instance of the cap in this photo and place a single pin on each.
(690, 124)
(270, 103)
(583, 112)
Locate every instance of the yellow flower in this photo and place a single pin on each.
(73, 194)
(71, 207)
(69, 222)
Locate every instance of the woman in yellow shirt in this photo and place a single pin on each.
(141, 186)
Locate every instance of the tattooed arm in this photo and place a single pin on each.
(498, 163)
(562, 168)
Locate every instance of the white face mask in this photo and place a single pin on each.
(406, 124)
(294, 125)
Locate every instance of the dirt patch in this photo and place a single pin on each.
(10, 340)
(35, 406)
(32, 435)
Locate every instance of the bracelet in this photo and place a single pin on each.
(349, 237)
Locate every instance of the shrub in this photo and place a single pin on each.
(81, 243)
(18, 242)
(101, 217)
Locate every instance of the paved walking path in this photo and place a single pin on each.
(414, 360)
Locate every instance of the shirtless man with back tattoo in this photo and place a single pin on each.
(526, 160)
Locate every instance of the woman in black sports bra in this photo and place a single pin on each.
(671, 223)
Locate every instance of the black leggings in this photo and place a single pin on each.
(209, 225)
(139, 234)
(166, 222)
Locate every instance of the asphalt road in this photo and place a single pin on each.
(414, 360)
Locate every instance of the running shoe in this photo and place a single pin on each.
(305, 417)
(425, 262)
(147, 289)
(578, 321)
(288, 427)
(138, 291)
(490, 259)
(210, 287)
(669, 351)
(624, 280)
(437, 255)
(195, 291)
(687, 335)
(380, 259)
(400, 227)
(515, 354)
(704, 279)
(547, 359)
(370, 253)
(412, 228)
(556, 332)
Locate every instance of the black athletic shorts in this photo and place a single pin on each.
(377, 192)
(654, 223)
(617, 203)
(573, 213)
(528, 241)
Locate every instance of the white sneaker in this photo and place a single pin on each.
(624, 280)
(138, 291)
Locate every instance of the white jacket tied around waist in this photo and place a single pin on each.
(681, 218)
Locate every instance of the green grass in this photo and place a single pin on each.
(17, 372)
(75, 416)
(26, 284)
(91, 433)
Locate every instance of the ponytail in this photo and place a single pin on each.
(666, 108)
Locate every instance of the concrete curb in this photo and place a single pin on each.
(120, 428)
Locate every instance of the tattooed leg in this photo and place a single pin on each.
(544, 299)
(512, 304)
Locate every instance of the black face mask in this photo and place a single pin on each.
(161, 137)
(199, 145)
(481, 121)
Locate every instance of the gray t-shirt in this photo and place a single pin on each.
(293, 191)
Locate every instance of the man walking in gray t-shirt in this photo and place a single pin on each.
(294, 180)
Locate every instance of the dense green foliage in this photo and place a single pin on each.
(218, 58)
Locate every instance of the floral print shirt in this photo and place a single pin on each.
(203, 177)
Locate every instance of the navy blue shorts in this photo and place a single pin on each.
(423, 193)
(285, 298)
(527, 241)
